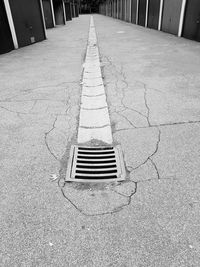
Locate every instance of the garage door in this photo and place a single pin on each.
(153, 14)
(133, 11)
(68, 11)
(48, 14)
(142, 12)
(6, 43)
(191, 28)
(171, 16)
(28, 21)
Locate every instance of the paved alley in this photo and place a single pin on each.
(151, 81)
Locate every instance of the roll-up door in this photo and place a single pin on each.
(142, 12)
(6, 43)
(171, 16)
(133, 11)
(27, 17)
(153, 14)
(191, 27)
(48, 14)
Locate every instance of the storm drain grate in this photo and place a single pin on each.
(95, 164)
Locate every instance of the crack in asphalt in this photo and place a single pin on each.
(146, 104)
(155, 167)
(34, 103)
(125, 117)
(12, 111)
(115, 210)
(29, 90)
(149, 158)
(45, 138)
(122, 90)
(163, 178)
(157, 125)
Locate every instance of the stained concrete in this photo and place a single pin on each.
(152, 88)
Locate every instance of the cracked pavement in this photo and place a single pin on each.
(152, 85)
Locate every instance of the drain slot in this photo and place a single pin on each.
(96, 172)
(96, 161)
(96, 153)
(87, 164)
(95, 178)
(96, 157)
(95, 148)
(96, 167)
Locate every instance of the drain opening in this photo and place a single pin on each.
(95, 148)
(95, 164)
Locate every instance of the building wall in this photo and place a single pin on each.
(171, 16)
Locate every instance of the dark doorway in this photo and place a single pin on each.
(27, 17)
(128, 10)
(133, 11)
(76, 10)
(153, 15)
(59, 12)
(68, 11)
(73, 10)
(171, 16)
(115, 9)
(191, 27)
(48, 13)
(120, 9)
(142, 12)
(6, 43)
(123, 9)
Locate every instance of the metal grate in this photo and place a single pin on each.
(95, 164)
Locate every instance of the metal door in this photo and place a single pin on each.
(109, 8)
(76, 10)
(118, 9)
(115, 8)
(48, 14)
(59, 12)
(133, 11)
(191, 27)
(72, 9)
(28, 21)
(123, 9)
(114, 11)
(128, 10)
(6, 43)
(68, 11)
(142, 12)
(153, 14)
(171, 16)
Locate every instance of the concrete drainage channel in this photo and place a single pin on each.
(95, 163)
